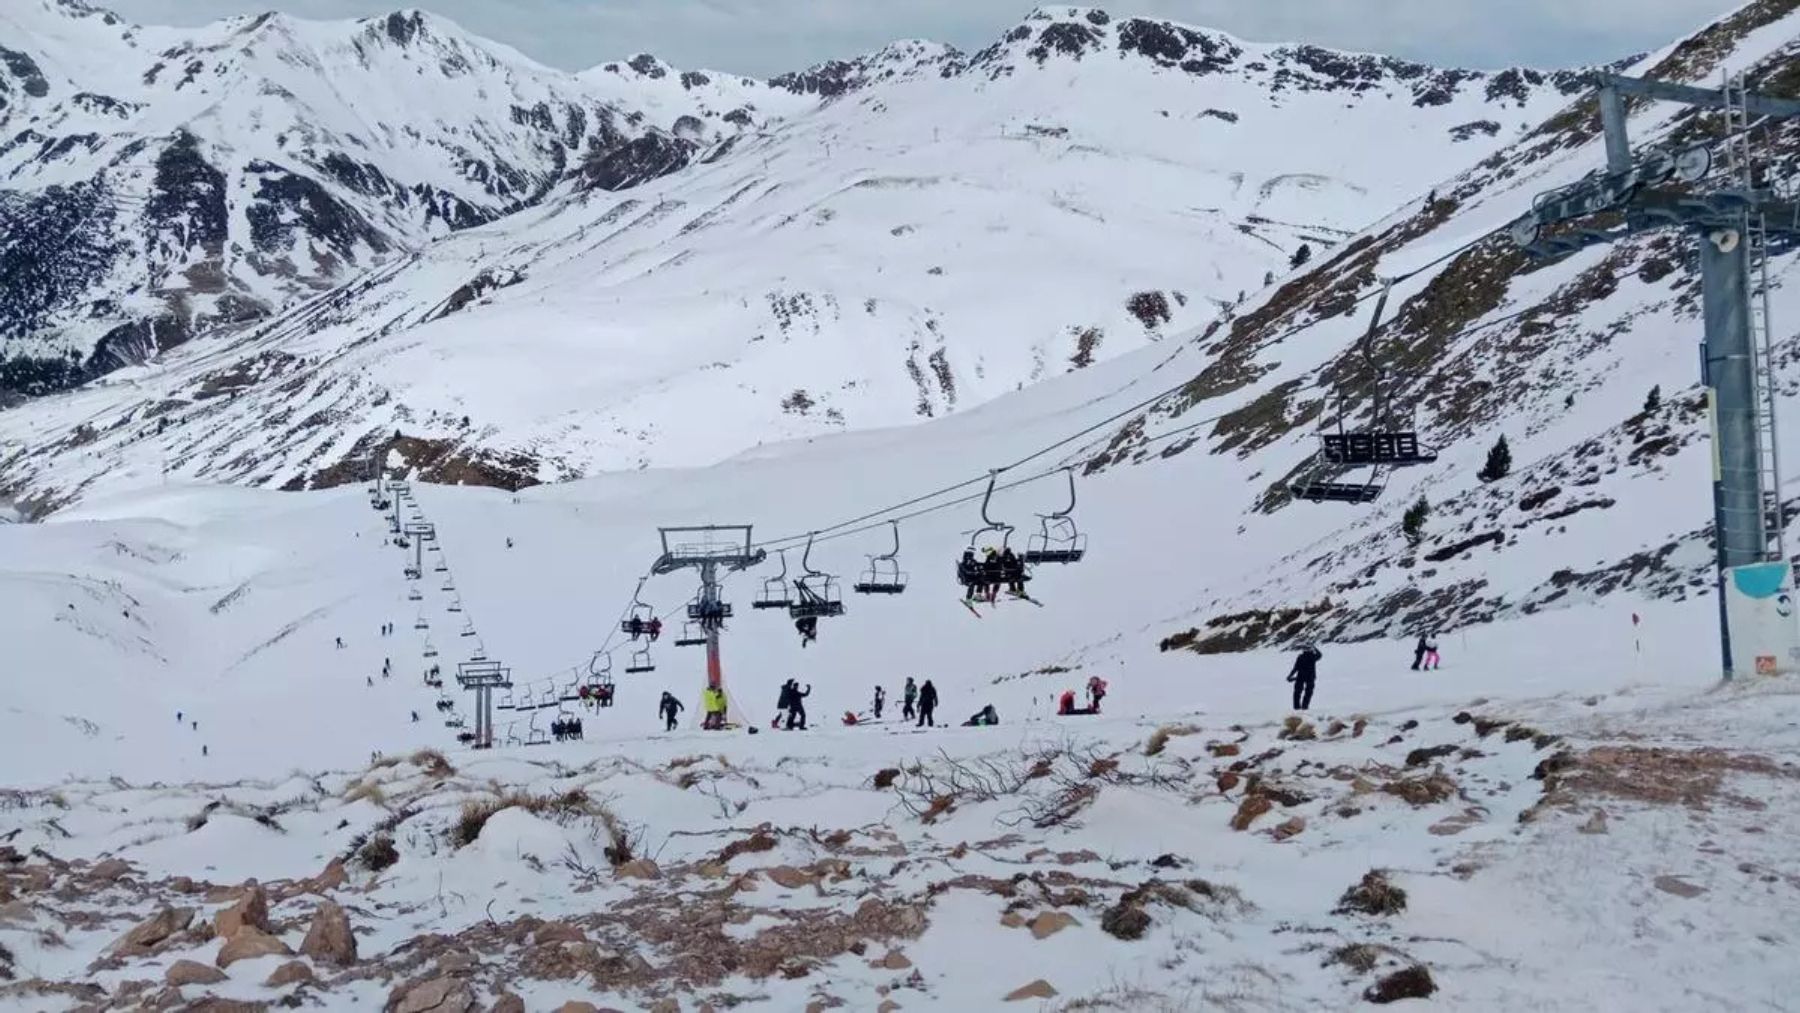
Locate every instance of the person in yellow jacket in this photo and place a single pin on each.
(712, 703)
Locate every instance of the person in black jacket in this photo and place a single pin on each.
(669, 708)
(1419, 650)
(797, 704)
(1304, 674)
(927, 704)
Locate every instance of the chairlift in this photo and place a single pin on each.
(691, 635)
(456, 721)
(536, 736)
(642, 615)
(430, 651)
(974, 571)
(1058, 540)
(571, 692)
(640, 662)
(468, 629)
(441, 567)
(1383, 444)
(775, 593)
(511, 738)
(479, 654)
(421, 624)
(883, 575)
(415, 595)
(412, 573)
(455, 604)
(599, 670)
(505, 703)
(815, 592)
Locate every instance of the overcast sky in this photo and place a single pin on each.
(765, 37)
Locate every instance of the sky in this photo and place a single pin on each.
(767, 37)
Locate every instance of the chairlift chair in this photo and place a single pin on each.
(455, 605)
(479, 654)
(505, 703)
(415, 595)
(642, 614)
(512, 739)
(640, 662)
(883, 575)
(775, 593)
(1383, 444)
(1057, 540)
(421, 624)
(456, 721)
(536, 736)
(412, 573)
(599, 670)
(468, 629)
(691, 635)
(441, 567)
(982, 573)
(430, 651)
(815, 592)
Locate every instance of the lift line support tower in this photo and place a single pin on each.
(706, 549)
(1735, 219)
(483, 677)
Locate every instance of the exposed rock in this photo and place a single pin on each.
(215, 1004)
(790, 877)
(252, 909)
(289, 973)
(1012, 920)
(1049, 923)
(148, 933)
(1224, 749)
(559, 932)
(439, 995)
(1410, 983)
(1678, 886)
(248, 943)
(329, 939)
(1249, 809)
(1374, 895)
(508, 1003)
(331, 878)
(638, 868)
(667, 1004)
(111, 870)
(893, 960)
(192, 972)
(1289, 828)
(1039, 989)
(577, 1006)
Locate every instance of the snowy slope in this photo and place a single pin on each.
(936, 231)
(162, 182)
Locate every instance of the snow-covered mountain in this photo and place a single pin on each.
(867, 243)
(161, 183)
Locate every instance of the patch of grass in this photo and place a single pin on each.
(1359, 957)
(433, 763)
(1159, 739)
(575, 802)
(1374, 895)
(366, 790)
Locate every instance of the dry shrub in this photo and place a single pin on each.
(1102, 766)
(1359, 957)
(1417, 791)
(378, 854)
(1159, 739)
(1694, 778)
(1420, 757)
(432, 763)
(759, 841)
(1410, 983)
(385, 762)
(572, 803)
(366, 790)
(1373, 896)
(1249, 809)
(1297, 730)
(684, 761)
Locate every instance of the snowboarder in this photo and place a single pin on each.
(907, 698)
(1419, 651)
(797, 708)
(985, 716)
(668, 709)
(1304, 674)
(880, 700)
(712, 702)
(928, 699)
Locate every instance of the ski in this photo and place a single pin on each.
(1026, 597)
(966, 603)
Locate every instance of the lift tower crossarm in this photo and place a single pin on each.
(1711, 98)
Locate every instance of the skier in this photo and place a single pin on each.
(196, 726)
(985, 716)
(509, 543)
(369, 679)
(1304, 674)
(177, 717)
(1096, 691)
(797, 711)
(203, 751)
(654, 628)
(907, 697)
(387, 666)
(712, 701)
(990, 573)
(1431, 655)
(808, 628)
(880, 700)
(340, 643)
(668, 709)
(927, 703)
(1013, 570)
(415, 715)
(1419, 651)
(784, 704)
(635, 627)
(969, 572)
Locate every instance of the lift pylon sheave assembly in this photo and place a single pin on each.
(483, 677)
(1385, 442)
(775, 593)
(883, 575)
(815, 591)
(709, 549)
(1058, 540)
(1736, 218)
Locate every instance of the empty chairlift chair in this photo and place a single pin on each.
(640, 662)
(1385, 442)
(775, 593)
(883, 575)
(1057, 540)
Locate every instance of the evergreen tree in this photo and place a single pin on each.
(1499, 462)
(1412, 524)
(1654, 400)
(1301, 256)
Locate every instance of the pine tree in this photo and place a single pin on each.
(1499, 462)
(1301, 256)
(1412, 524)
(1654, 400)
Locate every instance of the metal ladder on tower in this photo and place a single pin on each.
(1742, 152)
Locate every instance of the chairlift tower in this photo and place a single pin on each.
(483, 677)
(1735, 215)
(420, 532)
(707, 549)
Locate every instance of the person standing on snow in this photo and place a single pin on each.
(907, 697)
(1419, 651)
(712, 702)
(1304, 674)
(928, 699)
(880, 699)
(1431, 654)
(797, 711)
(669, 708)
